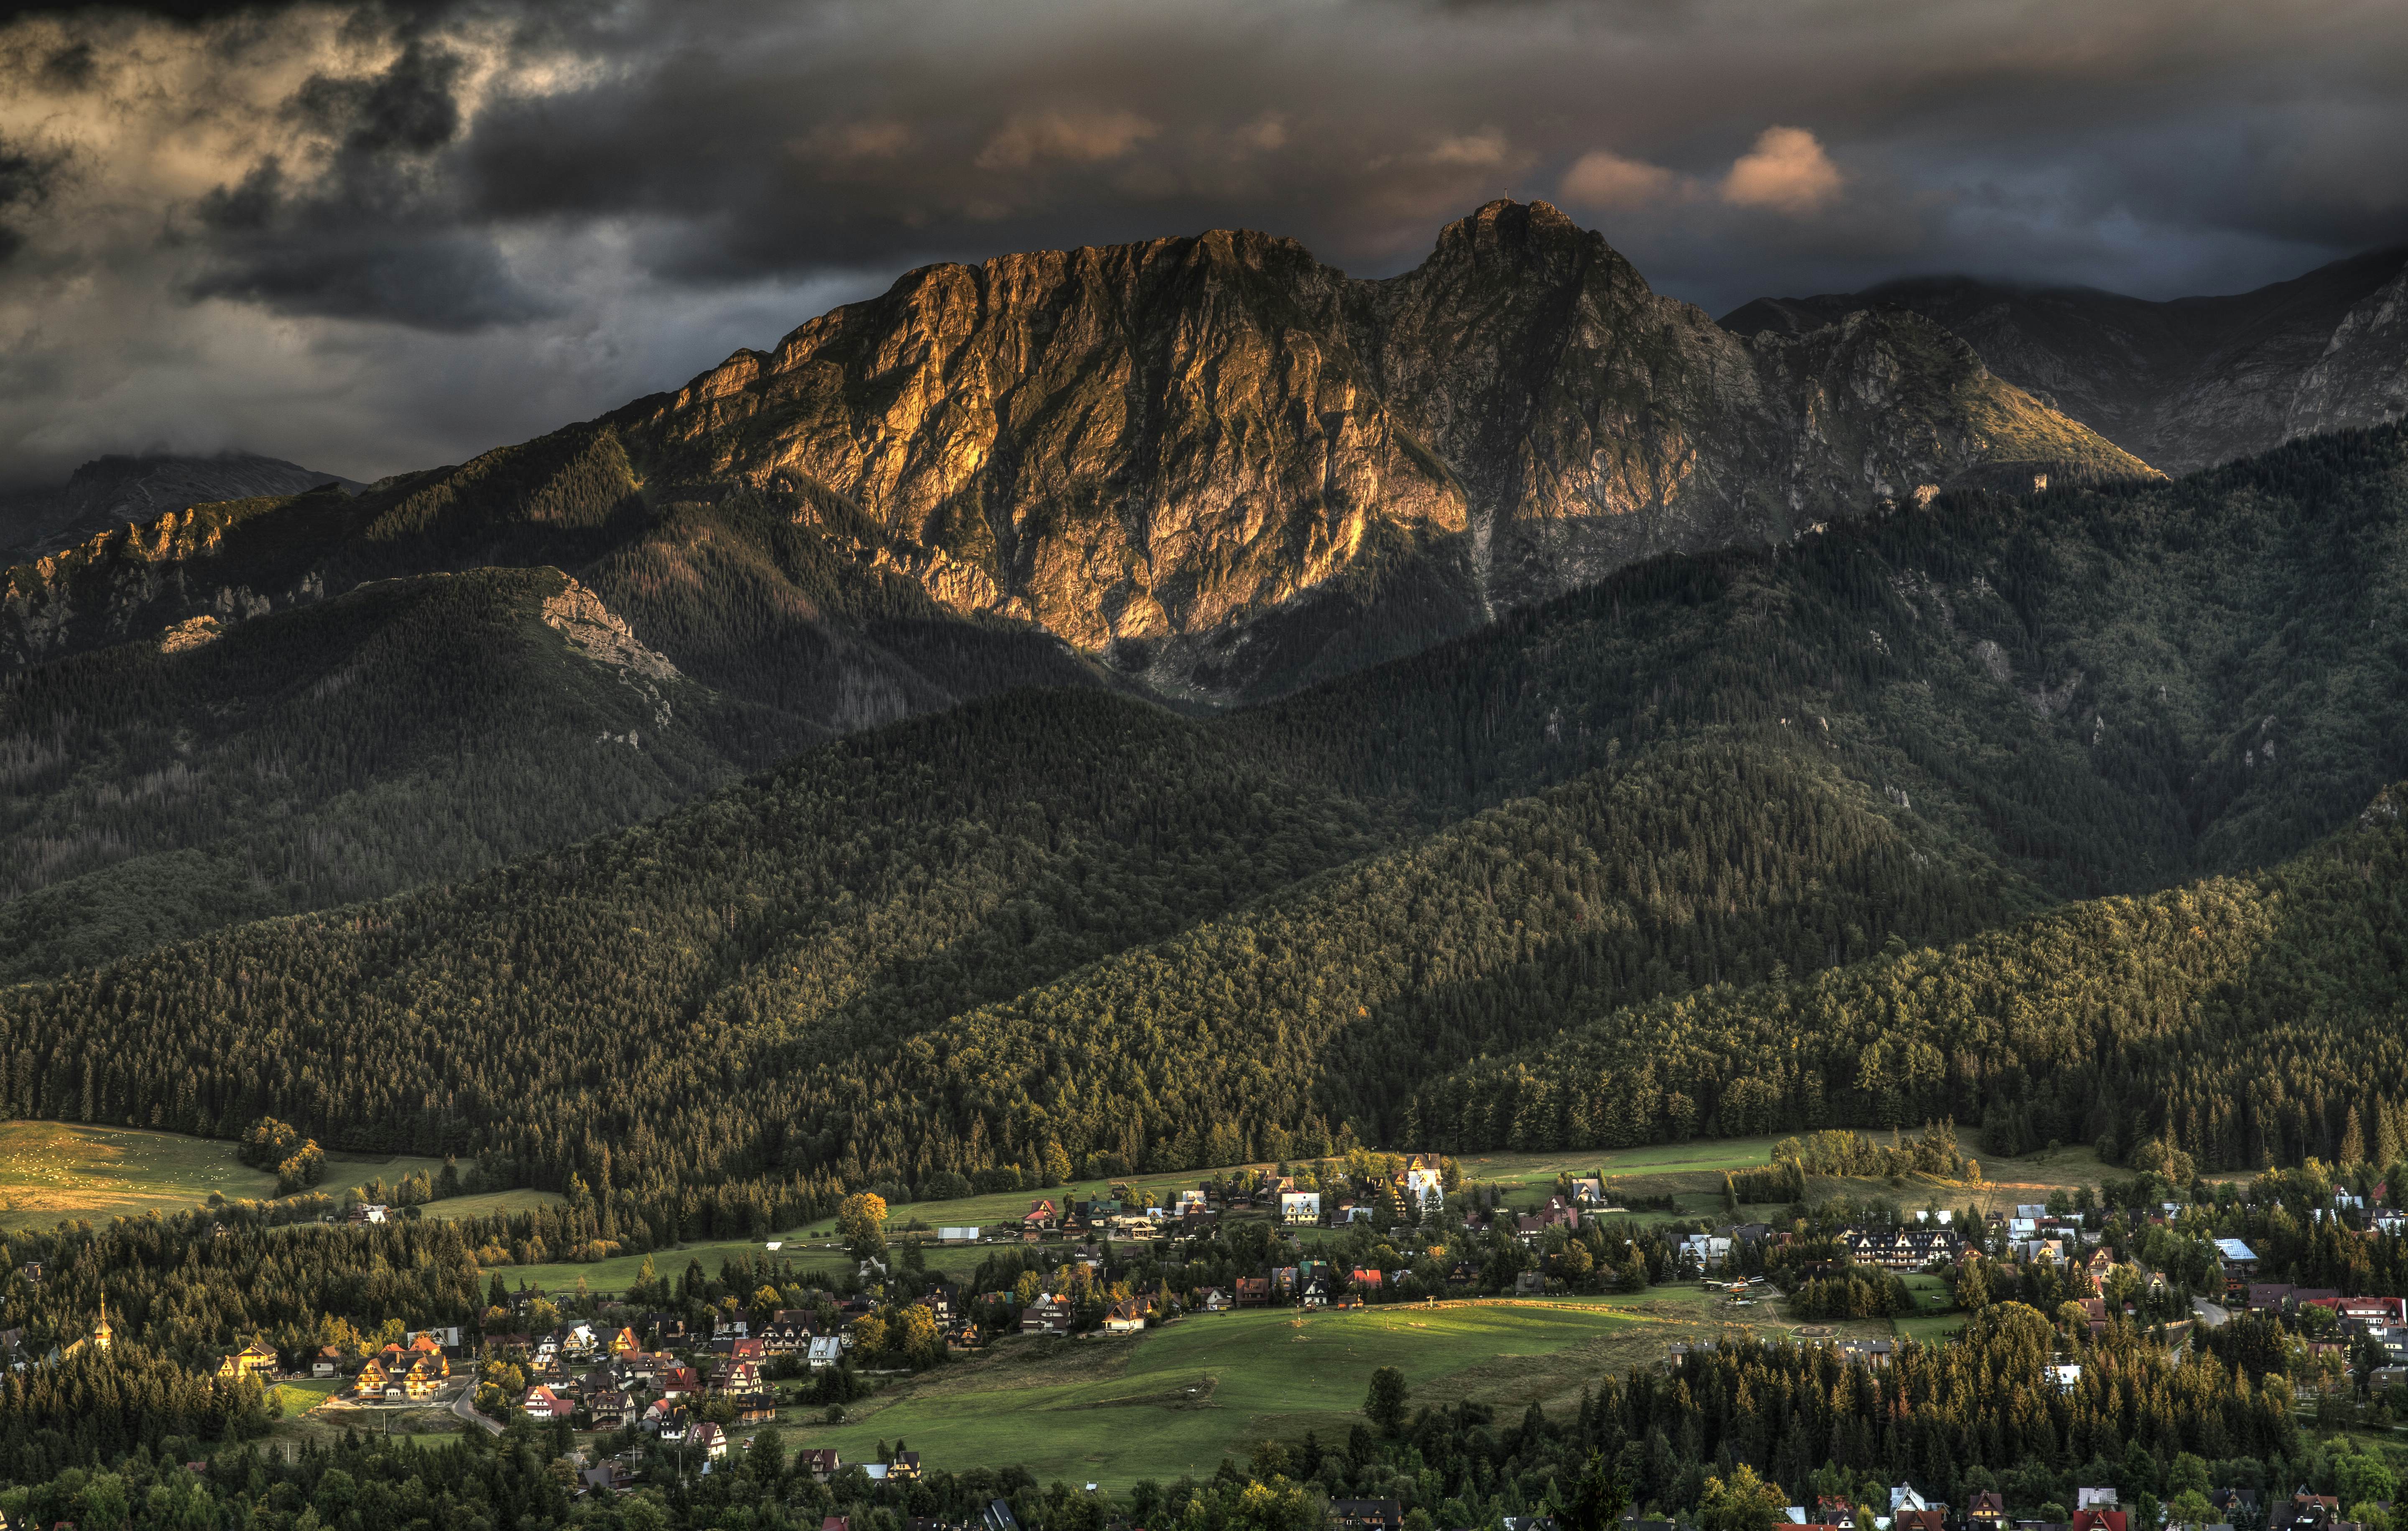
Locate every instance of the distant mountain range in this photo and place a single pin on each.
(2182, 385)
(119, 491)
(1204, 472)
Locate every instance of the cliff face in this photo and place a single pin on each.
(2185, 384)
(1220, 463)
(1212, 466)
(110, 491)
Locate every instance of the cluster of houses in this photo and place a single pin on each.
(1420, 1184)
(2095, 1509)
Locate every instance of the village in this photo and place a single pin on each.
(687, 1377)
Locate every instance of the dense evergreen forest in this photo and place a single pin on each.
(1689, 851)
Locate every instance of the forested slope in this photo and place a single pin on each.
(2251, 1020)
(414, 731)
(1504, 891)
(2109, 690)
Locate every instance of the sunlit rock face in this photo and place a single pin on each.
(1226, 467)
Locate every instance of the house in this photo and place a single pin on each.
(623, 1341)
(424, 1376)
(371, 1381)
(2239, 1260)
(604, 1478)
(998, 1516)
(1367, 1514)
(1253, 1292)
(673, 1382)
(1047, 1315)
(542, 1403)
(821, 1464)
(1987, 1512)
(666, 1329)
(610, 1409)
(1529, 1284)
(667, 1421)
(730, 1377)
(1125, 1317)
(256, 1359)
(710, 1439)
(2098, 1520)
(329, 1360)
(1708, 1251)
(1299, 1206)
(826, 1351)
(2067, 1378)
(367, 1211)
(1919, 1520)
(904, 1466)
(1589, 1191)
(755, 1407)
(1875, 1354)
(2094, 1498)
(1423, 1180)
(1042, 1214)
(1212, 1299)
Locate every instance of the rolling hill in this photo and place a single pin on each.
(1071, 928)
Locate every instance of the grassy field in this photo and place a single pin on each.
(487, 1203)
(51, 1170)
(1935, 1316)
(298, 1399)
(1175, 1400)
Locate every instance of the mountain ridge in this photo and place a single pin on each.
(2185, 382)
(131, 490)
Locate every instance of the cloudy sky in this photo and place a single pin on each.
(372, 237)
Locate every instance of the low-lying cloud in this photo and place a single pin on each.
(369, 235)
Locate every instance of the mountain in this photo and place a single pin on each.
(1228, 468)
(1204, 470)
(1073, 927)
(119, 491)
(2184, 383)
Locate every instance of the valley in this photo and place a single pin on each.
(1701, 897)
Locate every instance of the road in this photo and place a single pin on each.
(466, 1407)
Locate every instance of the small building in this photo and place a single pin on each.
(256, 1359)
(710, 1439)
(542, 1403)
(1125, 1317)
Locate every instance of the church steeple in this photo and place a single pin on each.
(102, 1333)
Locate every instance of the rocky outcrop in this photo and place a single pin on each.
(113, 492)
(1213, 464)
(1209, 459)
(2185, 384)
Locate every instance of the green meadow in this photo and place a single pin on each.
(53, 1170)
(1177, 1399)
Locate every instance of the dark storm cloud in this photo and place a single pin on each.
(24, 181)
(376, 234)
(2160, 144)
(476, 218)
